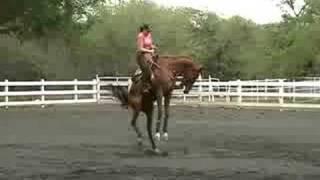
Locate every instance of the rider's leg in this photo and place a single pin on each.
(146, 69)
(148, 59)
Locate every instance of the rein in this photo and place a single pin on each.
(159, 67)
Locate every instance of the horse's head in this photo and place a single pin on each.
(185, 67)
(190, 76)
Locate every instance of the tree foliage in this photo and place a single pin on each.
(81, 38)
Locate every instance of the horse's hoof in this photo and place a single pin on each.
(165, 154)
(157, 136)
(160, 153)
(166, 136)
(140, 141)
(156, 152)
(152, 152)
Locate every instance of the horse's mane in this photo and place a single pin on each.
(176, 57)
(181, 60)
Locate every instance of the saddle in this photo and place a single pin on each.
(136, 77)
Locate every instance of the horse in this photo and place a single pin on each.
(165, 73)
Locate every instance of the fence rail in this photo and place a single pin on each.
(44, 95)
(269, 92)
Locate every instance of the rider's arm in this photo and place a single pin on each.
(154, 46)
(140, 45)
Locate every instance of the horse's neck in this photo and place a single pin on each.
(179, 67)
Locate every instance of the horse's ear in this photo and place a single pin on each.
(201, 69)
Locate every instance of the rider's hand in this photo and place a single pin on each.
(154, 47)
(152, 51)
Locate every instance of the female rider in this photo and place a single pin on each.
(145, 55)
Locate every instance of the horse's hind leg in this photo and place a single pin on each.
(134, 125)
(166, 116)
(158, 124)
(149, 114)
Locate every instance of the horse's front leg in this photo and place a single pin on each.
(166, 116)
(158, 124)
(135, 127)
(149, 114)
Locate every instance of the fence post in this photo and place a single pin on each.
(200, 88)
(239, 91)
(42, 93)
(98, 88)
(294, 91)
(281, 91)
(210, 88)
(94, 88)
(257, 91)
(6, 90)
(313, 87)
(228, 93)
(266, 89)
(76, 97)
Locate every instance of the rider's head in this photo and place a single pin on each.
(145, 28)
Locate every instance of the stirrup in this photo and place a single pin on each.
(138, 72)
(146, 87)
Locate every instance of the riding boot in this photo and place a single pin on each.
(143, 60)
(146, 87)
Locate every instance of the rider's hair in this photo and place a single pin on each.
(144, 27)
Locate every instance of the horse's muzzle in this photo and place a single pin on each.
(185, 92)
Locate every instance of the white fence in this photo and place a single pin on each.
(272, 92)
(48, 92)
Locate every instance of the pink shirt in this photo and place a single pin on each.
(145, 40)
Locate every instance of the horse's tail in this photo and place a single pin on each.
(121, 93)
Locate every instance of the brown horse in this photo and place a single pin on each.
(163, 83)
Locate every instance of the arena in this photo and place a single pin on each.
(96, 142)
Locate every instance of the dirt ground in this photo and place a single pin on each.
(96, 142)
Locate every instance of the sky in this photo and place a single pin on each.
(260, 11)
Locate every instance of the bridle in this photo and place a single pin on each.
(153, 63)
